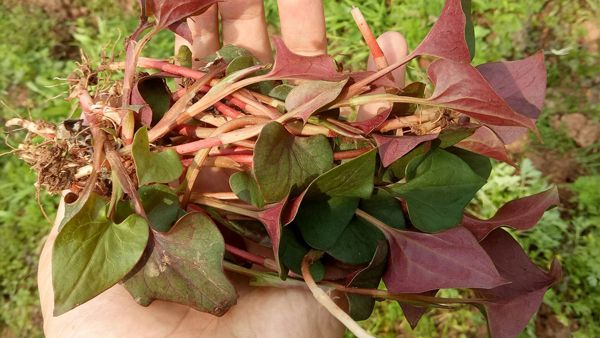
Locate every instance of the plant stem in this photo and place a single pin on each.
(326, 301)
(378, 56)
(215, 203)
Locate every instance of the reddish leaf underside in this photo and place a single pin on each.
(289, 65)
(422, 262)
(168, 12)
(521, 214)
(367, 126)
(392, 148)
(510, 306)
(271, 219)
(446, 39)
(461, 87)
(414, 313)
(485, 142)
(521, 83)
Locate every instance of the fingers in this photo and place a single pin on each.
(394, 48)
(303, 26)
(244, 25)
(205, 35)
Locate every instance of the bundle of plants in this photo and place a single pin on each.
(342, 202)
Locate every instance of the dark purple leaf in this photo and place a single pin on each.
(422, 262)
(521, 83)
(414, 313)
(461, 87)
(509, 307)
(485, 142)
(392, 148)
(293, 66)
(182, 29)
(522, 214)
(446, 39)
(508, 134)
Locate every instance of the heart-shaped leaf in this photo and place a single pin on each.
(185, 266)
(284, 163)
(91, 254)
(392, 148)
(442, 186)
(357, 243)
(522, 214)
(420, 262)
(385, 207)
(510, 307)
(310, 96)
(461, 87)
(154, 167)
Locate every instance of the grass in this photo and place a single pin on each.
(44, 47)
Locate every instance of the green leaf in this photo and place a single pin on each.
(469, 29)
(153, 167)
(281, 92)
(452, 136)
(185, 266)
(284, 163)
(441, 187)
(480, 164)
(91, 254)
(397, 170)
(155, 92)
(161, 205)
(385, 207)
(331, 200)
(245, 187)
(357, 243)
(239, 63)
(292, 250)
(361, 307)
(184, 57)
(228, 53)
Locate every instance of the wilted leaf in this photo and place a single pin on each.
(239, 63)
(154, 167)
(420, 262)
(461, 87)
(446, 39)
(91, 254)
(310, 96)
(510, 307)
(185, 266)
(485, 142)
(392, 148)
(285, 163)
(281, 92)
(522, 214)
(442, 186)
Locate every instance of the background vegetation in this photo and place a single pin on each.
(42, 40)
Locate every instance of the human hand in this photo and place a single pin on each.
(260, 312)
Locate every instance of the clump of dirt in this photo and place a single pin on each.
(578, 127)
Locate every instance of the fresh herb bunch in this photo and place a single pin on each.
(342, 203)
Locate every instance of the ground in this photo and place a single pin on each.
(46, 39)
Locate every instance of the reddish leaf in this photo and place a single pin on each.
(510, 306)
(293, 66)
(446, 39)
(168, 12)
(508, 134)
(367, 126)
(271, 219)
(182, 29)
(522, 214)
(414, 313)
(381, 82)
(422, 262)
(305, 99)
(392, 148)
(461, 87)
(485, 142)
(521, 83)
